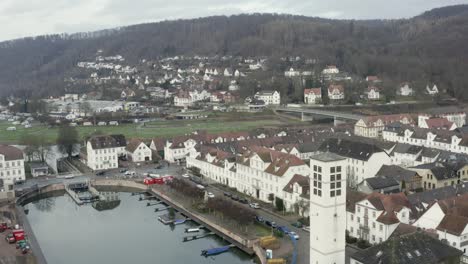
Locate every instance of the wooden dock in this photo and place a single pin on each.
(74, 196)
(195, 237)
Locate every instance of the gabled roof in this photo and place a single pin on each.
(133, 144)
(453, 224)
(316, 91)
(110, 141)
(442, 193)
(353, 197)
(303, 181)
(350, 149)
(11, 153)
(439, 123)
(377, 183)
(396, 172)
(333, 87)
(415, 248)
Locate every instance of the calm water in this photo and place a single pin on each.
(129, 233)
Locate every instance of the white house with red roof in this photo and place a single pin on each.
(336, 92)
(373, 93)
(312, 95)
(292, 73)
(449, 219)
(372, 126)
(375, 217)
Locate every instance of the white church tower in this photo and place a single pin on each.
(327, 209)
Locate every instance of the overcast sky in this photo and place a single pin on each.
(21, 18)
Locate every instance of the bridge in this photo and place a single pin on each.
(319, 112)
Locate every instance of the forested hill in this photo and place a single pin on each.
(432, 47)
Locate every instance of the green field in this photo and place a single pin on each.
(150, 130)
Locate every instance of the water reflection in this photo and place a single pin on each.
(45, 205)
(120, 230)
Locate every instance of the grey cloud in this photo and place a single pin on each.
(35, 17)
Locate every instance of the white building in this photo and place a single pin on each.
(405, 90)
(449, 220)
(373, 93)
(179, 148)
(455, 115)
(103, 152)
(313, 95)
(269, 97)
(11, 166)
(327, 209)
(336, 92)
(330, 69)
(363, 159)
(372, 126)
(292, 73)
(137, 151)
(376, 217)
(432, 91)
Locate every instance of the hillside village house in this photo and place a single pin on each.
(372, 79)
(375, 217)
(373, 93)
(330, 69)
(336, 92)
(127, 93)
(312, 96)
(183, 99)
(292, 73)
(269, 97)
(432, 91)
(372, 126)
(405, 90)
(11, 166)
(103, 152)
(137, 151)
(363, 159)
(448, 218)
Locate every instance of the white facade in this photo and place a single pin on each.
(179, 151)
(140, 153)
(373, 94)
(331, 70)
(405, 90)
(11, 167)
(292, 73)
(327, 209)
(312, 96)
(103, 158)
(373, 224)
(336, 92)
(432, 91)
(359, 170)
(269, 97)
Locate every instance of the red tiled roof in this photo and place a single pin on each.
(338, 87)
(439, 123)
(388, 218)
(388, 119)
(316, 91)
(453, 224)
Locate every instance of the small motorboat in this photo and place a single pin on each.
(215, 251)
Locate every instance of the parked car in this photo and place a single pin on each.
(158, 167)
(244, 201)
(131, 173)
(254, 205)
(235, 198)
(10, 238)
(283, 229)
(186, 175)
(211, 195)
(306, 228)
(259, 219)
(294, 235)
(100, 173)
(297, 224)
(227, 194)
(19, 182)
(270, 223)
(123, 170)
(201, 187)
(69, 177)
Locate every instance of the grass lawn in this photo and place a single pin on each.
(150, 130)
(262, 230)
